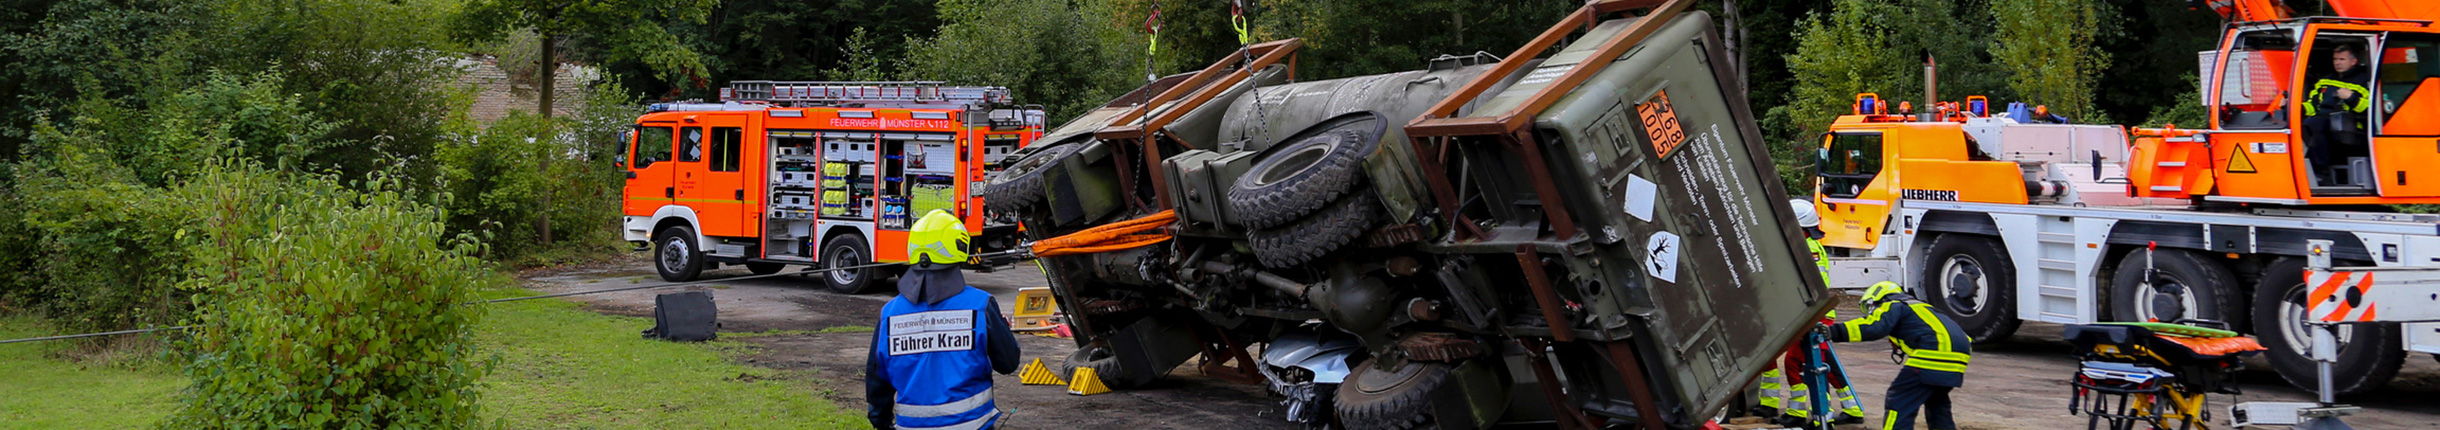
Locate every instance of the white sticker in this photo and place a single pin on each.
(1662, 252)
(2270, 147)
(1639, 197)
(933, 331)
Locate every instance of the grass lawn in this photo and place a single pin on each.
(560, 368)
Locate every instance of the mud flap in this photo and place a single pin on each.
(1149, 348)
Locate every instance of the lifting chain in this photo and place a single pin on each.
(1152, 44)
(1245, 40)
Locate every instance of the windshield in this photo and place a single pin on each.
(1848, 163)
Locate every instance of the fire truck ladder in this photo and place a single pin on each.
(824, 93)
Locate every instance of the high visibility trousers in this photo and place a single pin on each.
(1907, 393)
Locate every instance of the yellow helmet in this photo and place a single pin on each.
(938, 238)
(1873, 295)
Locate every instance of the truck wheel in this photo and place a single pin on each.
(2184, 285)
(678, 259)
(1021, 184)
(1299, 178)
(2368, 353)
(765, 268)
(1302, 241)
(1103, 361)
(1970, 278)
(847, 250)
(1374, 399)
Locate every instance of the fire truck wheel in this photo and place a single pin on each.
(2369, 354)
(678, 259)
(847, 250)
(1397, 399)
(2184, 286)
(1971, 279)
(1021, 184)
(1300, 178)
(764, 268)
(1326, 231)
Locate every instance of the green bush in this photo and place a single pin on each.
(325, 307)
(525, 172)
(100, 243)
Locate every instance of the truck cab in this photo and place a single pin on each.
(2276, 138)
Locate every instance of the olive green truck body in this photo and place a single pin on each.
(1626, 255)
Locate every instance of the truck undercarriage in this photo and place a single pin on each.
(1592, 238)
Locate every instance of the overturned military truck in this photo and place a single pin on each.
(1591, 238)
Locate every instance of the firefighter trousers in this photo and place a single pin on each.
(1908, 393)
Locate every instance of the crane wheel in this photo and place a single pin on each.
(2369, 354)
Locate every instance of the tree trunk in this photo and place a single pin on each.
(550, 70)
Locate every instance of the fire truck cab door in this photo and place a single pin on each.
(715, 182)
(649, 170)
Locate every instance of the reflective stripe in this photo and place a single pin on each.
(1924, 311)
(1935, 365)
(1821, 259)
(973, 424)
(1889, 420)
(1953, 357)
(2363, 99)
(1855, 327)
(945, 409)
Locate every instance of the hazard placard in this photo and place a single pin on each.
(2238, 162)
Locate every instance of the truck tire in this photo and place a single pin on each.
(2369, 354)
(1300, 178)
(1326, 231)
(1103, 361)
(1373, 399)
(1970, 278)
(1021, 184)
(847, 250)
(678, 259)
(765, 268)
(2185, 285)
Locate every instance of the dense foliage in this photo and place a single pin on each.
(326, 307)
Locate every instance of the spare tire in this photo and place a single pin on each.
(1301, 177)
(1021, 185)
(1325, 231)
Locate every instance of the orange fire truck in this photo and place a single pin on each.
(813, 173)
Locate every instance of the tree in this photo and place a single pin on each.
(1364, 37)
(2049, 46)
(1044, 51)
(627, 30)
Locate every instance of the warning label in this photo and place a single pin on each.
(2238, 162)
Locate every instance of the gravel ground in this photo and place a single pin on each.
(2017, 384)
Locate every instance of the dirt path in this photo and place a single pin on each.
(2020, 384)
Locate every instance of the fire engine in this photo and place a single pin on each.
(828, 174)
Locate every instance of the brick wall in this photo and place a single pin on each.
(496, 95)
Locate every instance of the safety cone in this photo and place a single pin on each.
(1086, 383)
(1036, 374)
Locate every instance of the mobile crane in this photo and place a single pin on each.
(1998, 220)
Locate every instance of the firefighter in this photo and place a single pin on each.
(1794, 402)
(1930, 347)
(2346, 89)
(938, 341)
